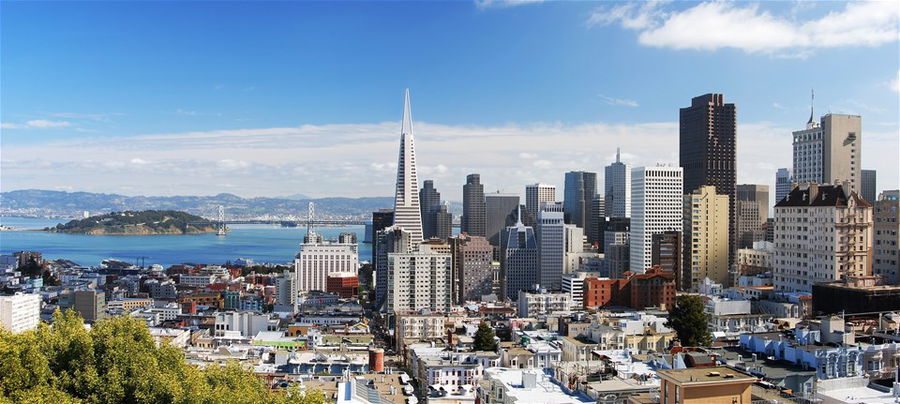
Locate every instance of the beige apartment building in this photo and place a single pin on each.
(823, 233)
(705, 238)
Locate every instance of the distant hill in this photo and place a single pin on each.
(138, 223)
(43, 203)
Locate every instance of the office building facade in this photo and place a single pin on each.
(868, 186)
(751, 212)
(705, 237)
(617, 188)
(520, 260)
(666, 254)
(551, 238)
(657, 205)
(500, 212)
(407, 213)
(20, 312)
(473, 217)
(886, 249)
(536, 195)
(829, 151)
(783, 183)
(581, 187)
(472, 267)
(429, 202)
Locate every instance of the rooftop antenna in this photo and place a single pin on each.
(812, 100)
(617, 154)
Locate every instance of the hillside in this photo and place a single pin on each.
(138, 223)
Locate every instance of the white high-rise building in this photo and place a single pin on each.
(551, 236)
(20, 312)
(536, 195)
(823, 233)
(829, 151)
(617, 184)
(407, 213)
(656, 206)
(318, 258)
(420, 280)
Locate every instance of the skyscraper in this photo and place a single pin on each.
(443, 222)
(783, 183)
(420, 279)
(391, 240)
(407, 214)
(520, 260)
(887, 237)
(581, 187)
(473, 220)
(500, 212)
(537, 194)
(708, 149)
(656, 206)
(597, 219)
(430, 201)
(751, 212)
(381, 219)
(551, 235)
(617, 187)
(705, 237)
(867, 189)
(472, 267)
(666, 252)
(829, 151)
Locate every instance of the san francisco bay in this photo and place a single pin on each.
(258, 242)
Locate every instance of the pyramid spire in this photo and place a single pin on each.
(406, 199)
(519, 216)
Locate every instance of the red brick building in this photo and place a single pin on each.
(342, 284)
(654, 288)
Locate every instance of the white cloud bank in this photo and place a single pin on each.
(361, 159)
(718, 24)
(36, 124)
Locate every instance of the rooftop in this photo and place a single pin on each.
(706, 375)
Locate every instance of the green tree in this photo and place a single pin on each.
(484, 338)
(689, 320)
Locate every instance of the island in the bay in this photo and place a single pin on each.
(138, 223)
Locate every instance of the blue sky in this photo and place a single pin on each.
(282, 98)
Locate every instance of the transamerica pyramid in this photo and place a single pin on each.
(406, 200)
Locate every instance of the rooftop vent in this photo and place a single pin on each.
(713, 374)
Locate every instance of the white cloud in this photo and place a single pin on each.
(485, 4)
(895, 83)
(619, 102)
(717, 24)
(361, 159)
(36, 124)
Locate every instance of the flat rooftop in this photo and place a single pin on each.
(706, 375)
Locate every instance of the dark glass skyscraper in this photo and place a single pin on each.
(429, 203)
(500, 212)
(708, 150)
(581, 187)
(473, 220)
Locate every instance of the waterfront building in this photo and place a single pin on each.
(500, 212)
(783, 183)
(617, 187)
(407, 214)
(520, 262)
(708, 151)
(705, 236)
(829, 151)
(473, 217)
(869, 184)
(581, 187)
(887, 237)
(657, 205)
(536, 195)
(472, 267)
(751, 212)
(429, 201)
(823, 233)
(20, 312)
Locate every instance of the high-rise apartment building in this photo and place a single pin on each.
(783, 183)
(666, 254)
(520, 260)
(443, 222)
(657, 205)
(407, 214)
(473, 272)
(868, 186)
(705, 239)
(617, 187)
(429, 202)
(500, 212)
(823, 233)
(317, 258)
(887, 237)
(708, 150)
(829, 151)
(751, 212)
(473, 217)
(20, 312)
(536, 195)
(551, 237)
(581, 187)
(420, 280)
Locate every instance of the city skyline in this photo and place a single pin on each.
(235, 131)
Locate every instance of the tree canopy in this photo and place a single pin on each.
(117, 361)
(689, 321)
(484, 338)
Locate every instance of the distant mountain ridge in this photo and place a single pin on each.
(45, 203)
